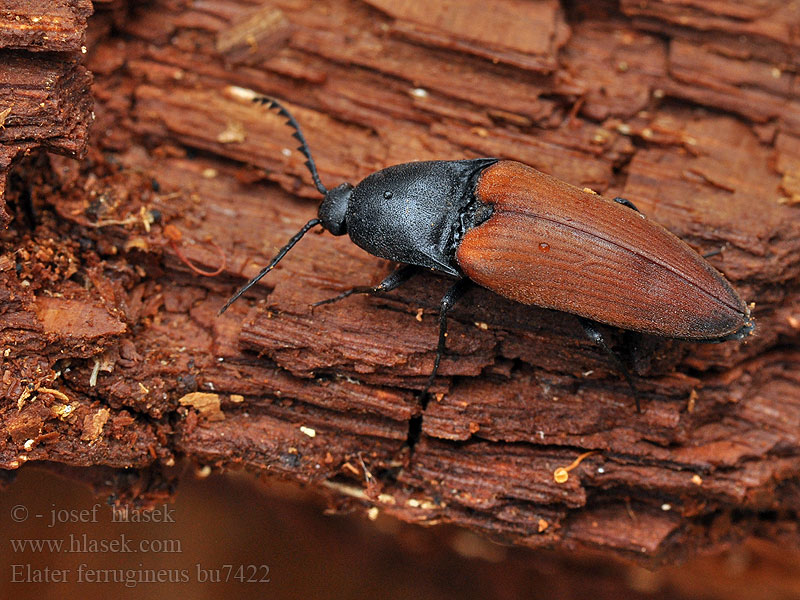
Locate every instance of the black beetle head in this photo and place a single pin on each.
(333, 209)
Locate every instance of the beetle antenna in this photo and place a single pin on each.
(298, 135)
(295, 238)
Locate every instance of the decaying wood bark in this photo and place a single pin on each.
(113, 355)
(44, 98)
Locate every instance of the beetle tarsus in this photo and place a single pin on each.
(597, 338)
(626, 202)
(714, 252)
(394, 280)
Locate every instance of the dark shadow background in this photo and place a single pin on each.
(235, 520)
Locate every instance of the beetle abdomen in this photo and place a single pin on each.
(553, 245)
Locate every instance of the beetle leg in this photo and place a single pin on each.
(596, 337)
(449, 300)
(395, 279)
(626, 202)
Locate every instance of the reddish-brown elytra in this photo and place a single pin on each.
(598, 259)
(529, 237)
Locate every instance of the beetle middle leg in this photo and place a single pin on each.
(596, 337)
(453, 295)
(394, 280)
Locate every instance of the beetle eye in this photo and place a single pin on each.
(387, 195)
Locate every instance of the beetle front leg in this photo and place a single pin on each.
(596, 337)
(394, 280)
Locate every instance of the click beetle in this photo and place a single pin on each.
(529, 237)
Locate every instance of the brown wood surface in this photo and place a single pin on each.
(112, 353)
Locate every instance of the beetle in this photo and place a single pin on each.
(529, 237)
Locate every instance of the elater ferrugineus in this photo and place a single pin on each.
(529, 237)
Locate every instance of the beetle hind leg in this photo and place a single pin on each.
(597, 338)
(626, 202)
(394, 280)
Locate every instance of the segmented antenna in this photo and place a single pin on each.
(295, 238)
(298, 135)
